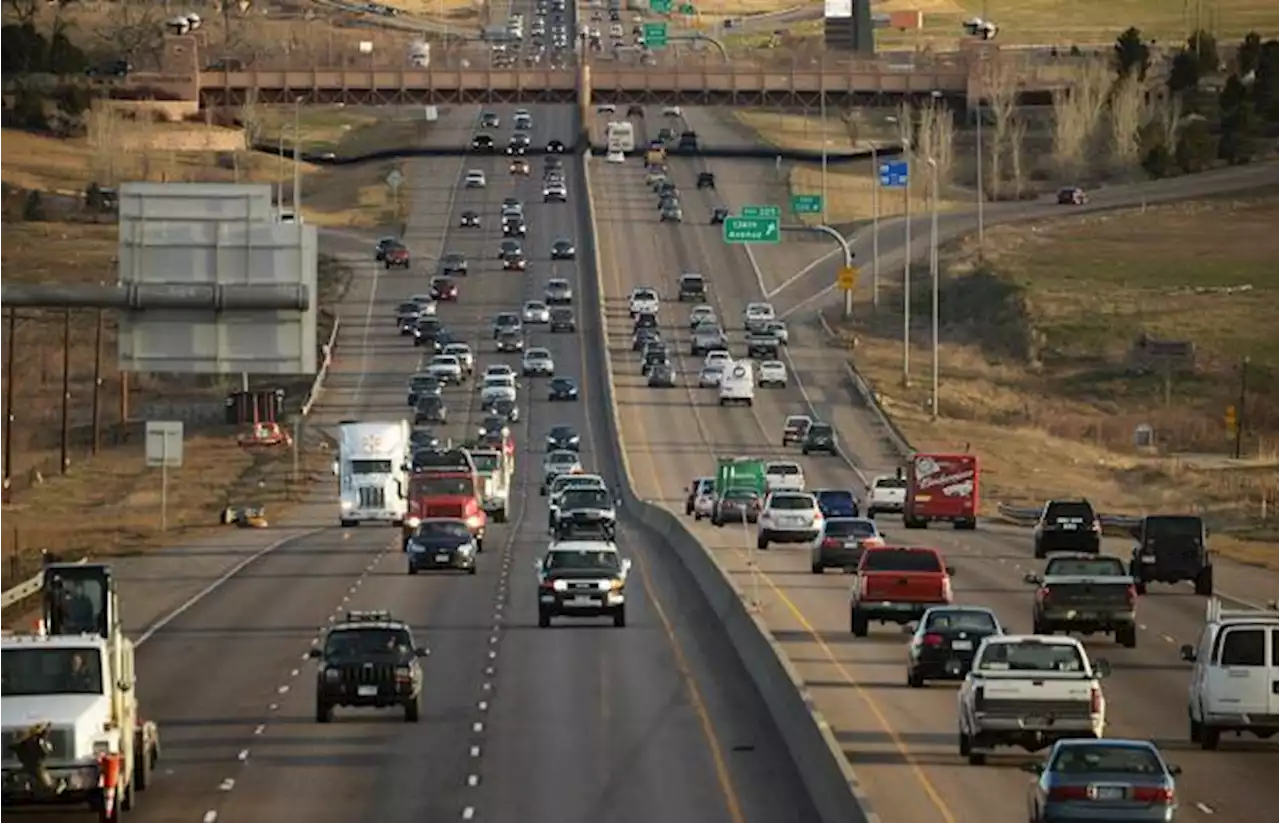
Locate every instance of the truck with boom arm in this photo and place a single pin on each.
(72, 728)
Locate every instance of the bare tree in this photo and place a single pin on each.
(999, 82)
(1017, 156)
(1171, 119)
(1077, 110)
(103, 126)
(22, 11)
(1129, 113)
(133, 30)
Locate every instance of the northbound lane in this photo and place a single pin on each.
(901, 741)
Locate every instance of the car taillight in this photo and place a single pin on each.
(1042, 594)
(932, 640)
(1158, 795)
(403, 674)
(1132, 593)
(1095, 700)
(830, 543)
(547, 585)
(1069, 793)
(1097, 526)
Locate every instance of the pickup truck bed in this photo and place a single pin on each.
(1087, 606)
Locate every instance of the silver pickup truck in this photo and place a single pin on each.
(495, 476)
(1029, 692)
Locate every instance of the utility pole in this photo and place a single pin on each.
(97, 382)
(8, 400)
(65, 462)
(1240, 414)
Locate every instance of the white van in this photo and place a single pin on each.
(738, 384)
(1233, 683)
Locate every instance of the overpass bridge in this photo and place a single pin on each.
(843, 83)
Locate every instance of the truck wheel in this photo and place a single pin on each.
(413, 569)
(411, 711)
(858, 623)
(324, 712)
(471, 569)
(914, 680)
(977, 758)
(620, 617)
(1039, 552)
(1209, 738)
(1196, 731)
(762, 542)
(1127, 636)
(1204, 582)
(500, 516)
(346, 524)
(544, 618)
(817, 568)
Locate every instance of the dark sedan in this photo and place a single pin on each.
(736, 506)
(562, 320)
(469, 220)
(441, 544)
(563, 250)
(945, 641)
(453, 263)
(562, 388)
(562, 438)
(430, 409)
(662, 376)
(444, 289)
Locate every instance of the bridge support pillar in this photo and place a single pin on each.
(584, 102)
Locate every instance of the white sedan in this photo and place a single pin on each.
(701, 314)
(709, 377)
(536, 311)
(538, 363)
(464, 354)
(446, 367)
(772, 373)
(475, 179)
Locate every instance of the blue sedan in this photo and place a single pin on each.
(836, 502)
(1092, 781)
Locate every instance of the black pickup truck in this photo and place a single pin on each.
(1172, 548)
(1088, 594)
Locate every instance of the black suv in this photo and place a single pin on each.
(482, 144)
(692, 287)
(688, 141)
(1171, 548)
(819, 438)
(706, 180)
(1068, 526)
(368, 660)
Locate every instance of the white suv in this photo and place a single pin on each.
(784, 475)
(773, 373)
(643, 301)
(475, 179)
(788, 517)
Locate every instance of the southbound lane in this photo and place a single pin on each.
(901, 741)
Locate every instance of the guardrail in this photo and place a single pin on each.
(21, 591)
(1112, 524)
(829, 780)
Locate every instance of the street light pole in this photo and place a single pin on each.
(822, 117)
(982, 194)
(906, 270)
(933, 273)
(297, 158)
(875, 227)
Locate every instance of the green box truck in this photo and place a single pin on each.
(740, 473)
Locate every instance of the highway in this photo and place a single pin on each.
(902, 742)
(657, 721)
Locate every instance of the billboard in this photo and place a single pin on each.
(837, 8)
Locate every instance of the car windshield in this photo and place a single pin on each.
(1086, 567)
(1069, 511)
(1085, 758)
(370, 466)
(1031, 657)
(791, 502)
(891, 483)
(444, 360)
(835, 497)
(29, 672)
(434, 529)
(961, 620)
(798, 422)
(485, 462)
(819, 430)
(584, 560)
(436, 486)
(558, 285)
(850, 528)
(585, 498)
(357, 644)
(508, 319)
(560, 432)
(783, 469)
(562, 458)
(562, 383)
(901, 560)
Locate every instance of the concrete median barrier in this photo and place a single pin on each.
(829, 779)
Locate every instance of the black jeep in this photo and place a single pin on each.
(368, 660)
(1171, 548)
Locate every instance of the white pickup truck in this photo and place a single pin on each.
(1030, 691)
(888, 494)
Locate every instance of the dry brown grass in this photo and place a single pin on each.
(1078, 292)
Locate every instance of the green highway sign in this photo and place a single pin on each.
(660, 6)
(655, 35)
(762, 211)
(806, 204)
(687, 8)
(752, 230)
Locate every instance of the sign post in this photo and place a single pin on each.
(743, 230)
(395, 179)
(164, 449)
(896, 174)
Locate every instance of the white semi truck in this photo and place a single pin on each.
(72, 728)
(372, 470)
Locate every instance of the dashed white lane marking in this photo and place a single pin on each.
(1166, 638)
(477, 727)
(293, 673)
(1142, 626)
(473, 780)
(483, 706)
(475, 751)
(211, 816)
(493, 654)
(282, 689)
(467, 814)
(227, 785)
(243, 756)
(1204, 809)
(262, 727)
(487, 687)
(273, 707)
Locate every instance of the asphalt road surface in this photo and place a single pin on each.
(656, 721)
(902, 742)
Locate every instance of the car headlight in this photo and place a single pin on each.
(615, 585)
(559, 585)
(346, 504)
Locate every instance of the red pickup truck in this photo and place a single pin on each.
(897, 585)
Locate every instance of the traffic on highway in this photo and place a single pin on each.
(477, 617)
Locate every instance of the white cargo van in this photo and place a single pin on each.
(738, 384)
(1233, 682)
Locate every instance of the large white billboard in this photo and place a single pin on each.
(838, 8)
